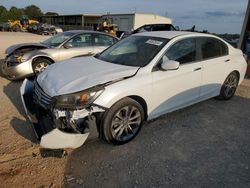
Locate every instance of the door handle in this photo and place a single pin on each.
(90, 53)
(227, 60)
(198, 68)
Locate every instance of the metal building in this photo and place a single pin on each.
(125, 22)
(77, 21)
(128, 22)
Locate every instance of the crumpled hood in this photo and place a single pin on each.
(81, 73)
(12, 48)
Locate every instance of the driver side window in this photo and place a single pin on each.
(183, 51)
(83, 40)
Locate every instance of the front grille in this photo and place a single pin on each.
(41, 97)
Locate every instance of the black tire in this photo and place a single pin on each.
(229, 86)
(125, 124)
(40, 61)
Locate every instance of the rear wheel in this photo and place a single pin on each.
(40, 64)
(122, 122)
(229, 87)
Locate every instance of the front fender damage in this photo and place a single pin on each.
(49, 126)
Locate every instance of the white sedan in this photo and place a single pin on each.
(137, 79)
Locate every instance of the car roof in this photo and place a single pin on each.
(170, 34)
(88, 31)
(77, 31)
(158, 24)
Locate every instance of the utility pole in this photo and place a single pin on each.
(245, 28)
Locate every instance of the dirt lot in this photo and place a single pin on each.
(205, 145)
(21, 164)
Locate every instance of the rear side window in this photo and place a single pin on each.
(183, 51)
(143, 28)
(172, 28)
(163, 27)
(147, 27)
(104, 40)
(83, 40)
(212, 48)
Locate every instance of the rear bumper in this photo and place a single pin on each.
(19, 71)
(45, 128)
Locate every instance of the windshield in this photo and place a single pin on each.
(58, 39)
(135, 51)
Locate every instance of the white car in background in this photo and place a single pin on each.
(137, 79)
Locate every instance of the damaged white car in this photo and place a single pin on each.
(137, 79)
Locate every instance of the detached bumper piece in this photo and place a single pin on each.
(47, 128)
(57, 139)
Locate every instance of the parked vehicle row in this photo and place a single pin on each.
(137, 79)
(44, 29)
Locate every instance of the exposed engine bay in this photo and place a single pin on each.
(24, 48)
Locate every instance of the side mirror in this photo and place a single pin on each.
(68, 45)
(170, 65)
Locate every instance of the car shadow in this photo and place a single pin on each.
(12, 91)
(23, 128)
(1, 73)
(191, 147)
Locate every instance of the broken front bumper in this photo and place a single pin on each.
(45, 127)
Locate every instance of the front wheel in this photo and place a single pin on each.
(40, 64)
(229, 86)
(122, 122)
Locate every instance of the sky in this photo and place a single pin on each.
(217, 16)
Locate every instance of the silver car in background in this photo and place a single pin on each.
(23, 60)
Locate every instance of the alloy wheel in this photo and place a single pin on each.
(230, 85)
(40, 67)
(126, 123)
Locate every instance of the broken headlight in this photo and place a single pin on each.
(78, 100)
(15, 59)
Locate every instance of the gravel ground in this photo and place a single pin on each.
(205, 145)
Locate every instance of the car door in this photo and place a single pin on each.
(80, 45)
(102, 41)
(214, 57)
(174, 89)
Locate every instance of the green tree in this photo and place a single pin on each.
(3, 14)
(51, 14)
(33, 12)
(15, 13)
(3, 9)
